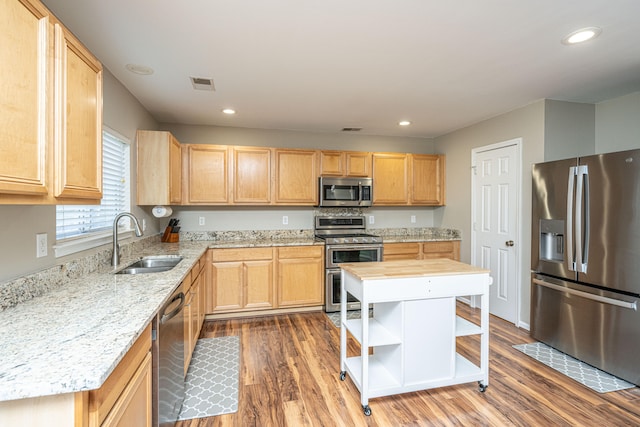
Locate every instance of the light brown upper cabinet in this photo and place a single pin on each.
(296, 177)
(390, 179)
(427, 180)
(251, 175)
(159, 168)
(345, 163)
(78, 136)
(206, 169)
(408, 179)
(50, 111)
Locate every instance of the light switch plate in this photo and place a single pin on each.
(285, 220)
(41, 245)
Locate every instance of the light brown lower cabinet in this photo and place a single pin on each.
(194, 310)
(422, 250)
(241, 279)
(300, 276)
(250, 279)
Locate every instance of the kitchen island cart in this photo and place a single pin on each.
(414, 326)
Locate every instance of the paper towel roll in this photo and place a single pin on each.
(161, 211)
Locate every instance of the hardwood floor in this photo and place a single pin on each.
(290, 377)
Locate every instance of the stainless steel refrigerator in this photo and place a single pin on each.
(585, 260)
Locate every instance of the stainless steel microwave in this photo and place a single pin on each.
(345, 192)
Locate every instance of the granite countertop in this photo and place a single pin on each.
(72, 335)
(71, 338)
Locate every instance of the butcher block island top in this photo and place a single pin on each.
(410, 268)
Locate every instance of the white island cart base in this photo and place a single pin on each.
(414, 326)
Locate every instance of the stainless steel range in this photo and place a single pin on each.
(345, 242)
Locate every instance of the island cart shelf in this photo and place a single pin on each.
(414, 326)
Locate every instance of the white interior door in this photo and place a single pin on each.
(495, 228)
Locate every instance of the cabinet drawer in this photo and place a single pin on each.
(241, 254)
(430, 247)
(300, 252)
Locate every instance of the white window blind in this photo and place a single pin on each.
(88, 222)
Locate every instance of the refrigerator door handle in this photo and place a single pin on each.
(572, 178)
(580, 264)
(587, 225)
(605, 300)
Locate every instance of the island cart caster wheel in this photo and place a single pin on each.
(367, 410)
(482, 387)
(343, 375)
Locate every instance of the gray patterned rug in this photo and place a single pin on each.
(212, 379)
(585, 374)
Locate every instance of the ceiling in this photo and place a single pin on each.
(321, 66)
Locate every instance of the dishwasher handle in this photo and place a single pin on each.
(173, 313)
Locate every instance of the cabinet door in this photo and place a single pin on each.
(332, 163)
(296, 181)
(390, 179)
(226, 283)
(427, 180)
(358, 164)
(78, 121)
(26, 102)
(300, 276)
(133, 407)
(175, 171)
(258, 284)
(251, 175)
(207, 174)
(398, 251)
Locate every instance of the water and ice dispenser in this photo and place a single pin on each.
(552, 240)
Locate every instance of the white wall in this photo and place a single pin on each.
(299, 218)
(124, 114)
(526, 123)
(569, 129)
(188, 134)
(618, 124)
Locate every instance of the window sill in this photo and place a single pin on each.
(79, 244)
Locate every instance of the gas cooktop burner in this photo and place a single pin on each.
(343, 230)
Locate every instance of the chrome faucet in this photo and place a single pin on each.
(115, 258)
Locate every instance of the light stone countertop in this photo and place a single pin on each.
(70, 338)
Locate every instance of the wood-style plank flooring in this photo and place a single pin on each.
(290, 377)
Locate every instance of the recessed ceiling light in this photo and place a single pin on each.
(229, 111)
(582, 35)
(404, 123)
(139, 69)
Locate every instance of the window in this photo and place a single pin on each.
(81, 227)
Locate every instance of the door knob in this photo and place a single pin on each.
(509, 243)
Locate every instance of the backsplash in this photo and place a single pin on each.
(216, 236)
(36, 284)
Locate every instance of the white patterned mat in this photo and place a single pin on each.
(212, 379)
(585, 374)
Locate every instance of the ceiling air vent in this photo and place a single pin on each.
(200, 83)
(351, 129)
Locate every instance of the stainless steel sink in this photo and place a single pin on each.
(151, 264)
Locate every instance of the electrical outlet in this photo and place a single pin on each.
(285, 220)
(144, 224)
(201, 220)
(41, 245)
(413, 219)
(371, 219)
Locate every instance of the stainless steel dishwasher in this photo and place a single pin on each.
(168, 361)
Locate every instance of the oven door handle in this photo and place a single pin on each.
(362, 246)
